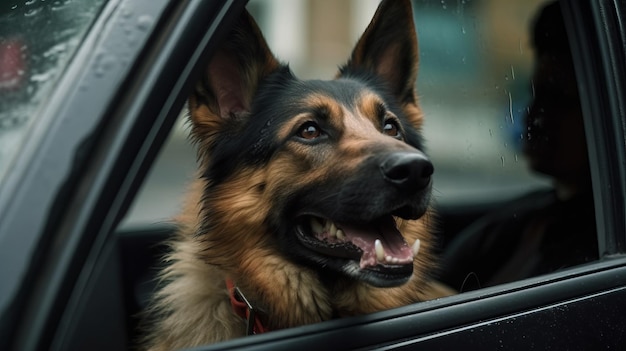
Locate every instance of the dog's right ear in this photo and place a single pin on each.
(231, 79)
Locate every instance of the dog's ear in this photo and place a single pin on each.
(232, 77)
(388, 48)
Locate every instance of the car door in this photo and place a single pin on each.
(103, 117)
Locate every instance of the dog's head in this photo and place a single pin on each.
(322, 172)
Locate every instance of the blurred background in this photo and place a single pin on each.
(474, 85)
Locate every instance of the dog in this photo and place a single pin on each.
(313, 198)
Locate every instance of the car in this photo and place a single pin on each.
(90, 97)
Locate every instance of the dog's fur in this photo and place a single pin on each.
(275, 151)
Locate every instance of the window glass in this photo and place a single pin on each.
(37, 41)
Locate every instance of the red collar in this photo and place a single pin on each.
(245, 310)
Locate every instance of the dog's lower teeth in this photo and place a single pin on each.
(380, 251)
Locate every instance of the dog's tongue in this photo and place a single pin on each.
(392, 250)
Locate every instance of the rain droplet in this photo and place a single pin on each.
(144, 22)
(59, 5)
(126, 12)
(32, 12)
(104, 63)
(511, 109)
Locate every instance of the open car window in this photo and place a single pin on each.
(480, 76)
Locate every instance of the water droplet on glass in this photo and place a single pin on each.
(59, 5)
(144, 22)
(104, 63)
(32, 12)
(126, 12)
(41, 77)
(511, 109)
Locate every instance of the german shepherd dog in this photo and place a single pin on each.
(313, 197)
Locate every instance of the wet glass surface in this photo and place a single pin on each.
(38, 39)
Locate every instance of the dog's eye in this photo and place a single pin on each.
(309, 130)
(391, 128)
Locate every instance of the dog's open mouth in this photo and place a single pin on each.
(377, 246)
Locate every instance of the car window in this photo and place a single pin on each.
(37, 41)
(477, 83)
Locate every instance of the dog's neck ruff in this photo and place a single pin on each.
(244, 309)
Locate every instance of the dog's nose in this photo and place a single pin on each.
(409, 171)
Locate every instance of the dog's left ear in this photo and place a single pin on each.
(388, 48)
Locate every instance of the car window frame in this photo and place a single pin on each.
(596, 32)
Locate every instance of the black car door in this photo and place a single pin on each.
(92, 139)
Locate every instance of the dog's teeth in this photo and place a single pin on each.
(332, 231)
(316, 226)
(416, 247)
(380, 252)
(340, 234)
